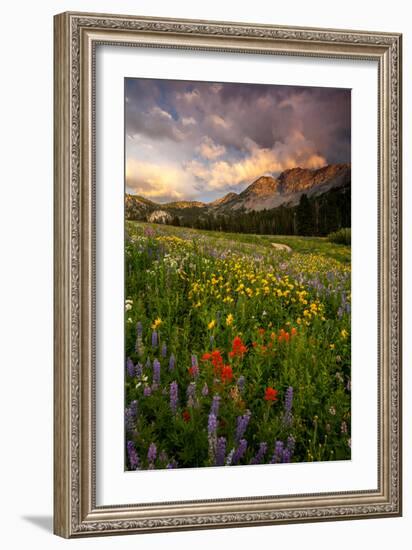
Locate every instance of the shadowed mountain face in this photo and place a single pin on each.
(265, 193)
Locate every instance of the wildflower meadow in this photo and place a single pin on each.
(237, 352)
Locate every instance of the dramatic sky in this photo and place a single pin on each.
(200, 140)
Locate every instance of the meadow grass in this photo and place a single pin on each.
(237, 353)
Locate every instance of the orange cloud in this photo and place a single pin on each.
(218, 121)
(294, 152)
(210, 150)
(157, 181)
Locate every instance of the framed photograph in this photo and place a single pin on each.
(227, 349)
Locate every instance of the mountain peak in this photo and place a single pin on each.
(301, 179)
(264, 193)
(262, 187)
(225, 199)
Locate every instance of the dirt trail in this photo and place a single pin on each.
(279, 246)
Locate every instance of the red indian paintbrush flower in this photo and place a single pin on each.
(283, 336)
(216, 358)
(238, 348)
(186, 416)
(271, 394)
(217, 362)
(227, 373)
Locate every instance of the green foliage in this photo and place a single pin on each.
(304, 217)
(342, 236)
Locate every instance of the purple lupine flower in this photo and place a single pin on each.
(172, 362)
(139, 369)
(242, 424)
(340, 312)
(147, 391)
(129, 420)
(190, 393)
(191, 388)
(290, 444)
(174, 396)
(260, 455)
(286, 456)
(278, 454)
(205, 390)
(133, 408)
(130, 367)
(156, 371)
(151, 453)
(241, 383)
(155, 339)
(287, 417)
(220, 451)
(214, 409)
(195, 367)
(211, 424)
(163, 456)
(132, 455)
(172, 464)
(148, 363)
(240, 451)
(164, 349)
(211, 438)
(289, 399)
(139, 336)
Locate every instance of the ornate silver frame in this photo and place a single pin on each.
(75, 38)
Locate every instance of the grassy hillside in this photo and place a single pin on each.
(303, 245)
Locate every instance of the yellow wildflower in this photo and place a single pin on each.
(156, 323)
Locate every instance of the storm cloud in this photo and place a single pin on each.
(199, 140)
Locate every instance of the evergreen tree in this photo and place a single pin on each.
(304, 215)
